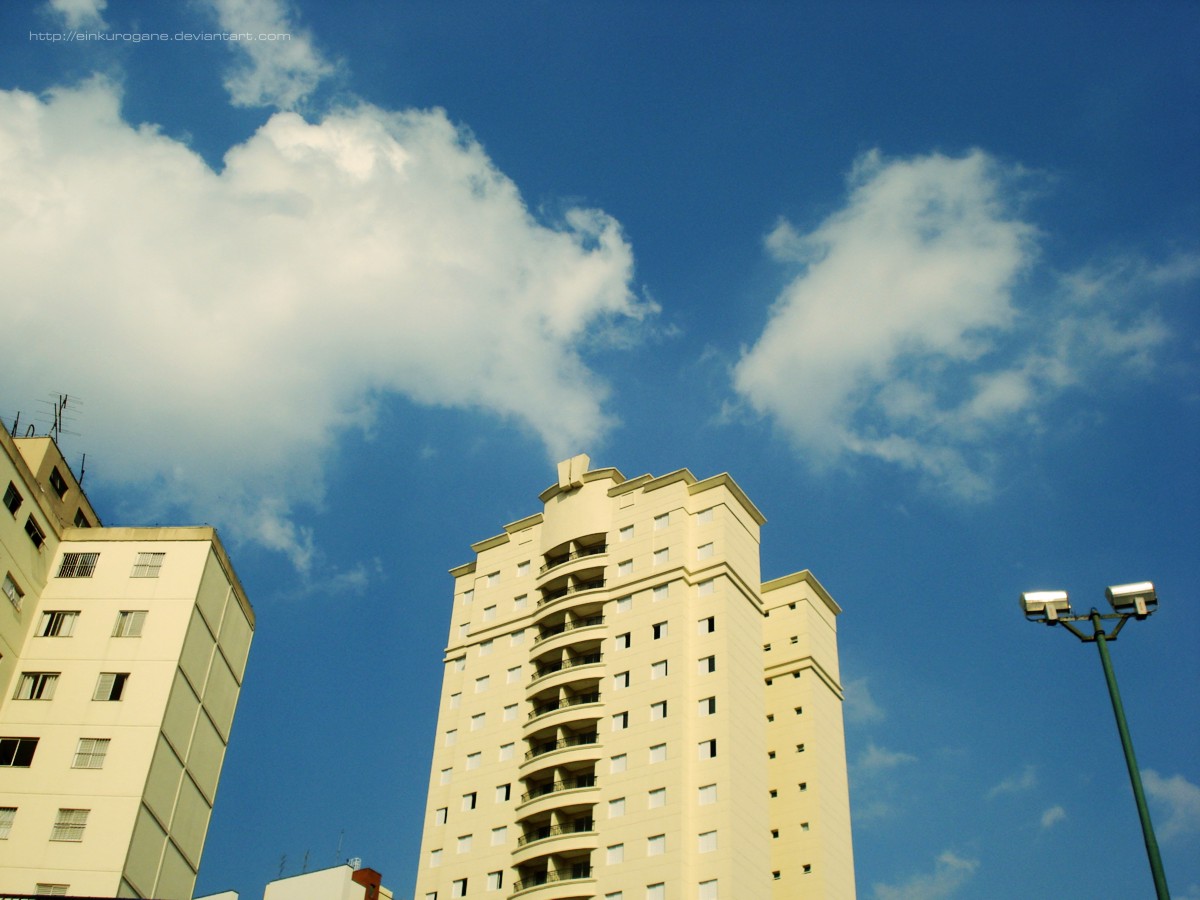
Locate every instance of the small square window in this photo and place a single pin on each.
(626, 533)
(656, 891)
(620, 680)
(623, 641)
(624, 604)
(517, 638)
(806, 869)
(13, 591)
(804, 826)
(662, 556)
(615, 854)
(661, 592)
(456, 700)
(81, 519)
(658, 710)
(656, 845)
(489, 613)
(775, 875)
(618, 763)
(499, 836)
(78, 565)
(110, 686)
(510, 713)
(799, 748)
(707, 842)
(803, 786)
(506, 751)
(656, 798)
(57, 624)
(707, 706)
(706, 587)
(474, 760)
(620, 721)
(708, 664)
(625, 567)
(493, 579)
(521, 602)
(451, 738)
(707, 625)
(705, 515)
(707, 795)
(464, 843)
(440, 817)
(129, 623)
(37, 686)
(69, 825)
(58, 482)
(658, 669)
(514, 675)
(485, 648)
(704, 551)
(661, 522)
(445, 776)
(468, 596)
(773, 793)
(708, 890)
(503, 793)
(708, 749)
(464, 629)
(458, 888)
(468, 801)
(770, 754)
(478, 721)
(147, 565)
(616, 808)
(799, 710)
(775, 834)
(12, 499)
(35, 532)
(660, 630)
(495, 881)
(481, 683)
(522, 569)
(658, 753)
(460, 664)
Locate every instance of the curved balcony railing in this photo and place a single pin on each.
(548, 831)
(579, 740)
(577, 872)
(578, 554)
(544, 708)
(551, 668)
(551, 631)
(554, 787)
(558, 593)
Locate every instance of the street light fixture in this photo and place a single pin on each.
(1129, 601)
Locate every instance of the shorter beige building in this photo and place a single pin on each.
(346, 882)
(122, 652)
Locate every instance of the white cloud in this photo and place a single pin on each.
(901, 338)
(860, 707)
(877, 759)
(1015, 784)
(1181, 799)
(950, 873)
(80, 13)
(281, 66)
(224, 327)
(1052, 816)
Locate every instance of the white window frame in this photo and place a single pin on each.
(147, 564)
(90, 753)
(37, 686)
(78, 565)
(130, 623)
(69, 825)
(58, 623)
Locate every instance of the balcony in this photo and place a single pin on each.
(553, 630)
(548, 831)
(555, 787)
(544, 708)
(578, 740)
(537, 879)
(568, 557)
(576, 587)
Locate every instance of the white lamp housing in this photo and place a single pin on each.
(1138, 599)
(1045, 606)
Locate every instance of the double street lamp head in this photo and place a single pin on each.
(1138, 600)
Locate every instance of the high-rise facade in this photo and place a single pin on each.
(629, 713)
(122, 652)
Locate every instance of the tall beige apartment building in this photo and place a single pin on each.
(629, 713)
(122, 652)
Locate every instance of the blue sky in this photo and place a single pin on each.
(922, 277)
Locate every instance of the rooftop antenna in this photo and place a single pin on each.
(282, 860)
(16, 422)
(337, 854)
(304, 867)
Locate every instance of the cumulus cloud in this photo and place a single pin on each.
(223, 327)
(1180, 798)
(860, 707)
(280, 65)
(901, 338)
(80, 13)
(1016, 783)
(1052, 816)
(950, 873)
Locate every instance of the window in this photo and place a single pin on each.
(446, 775)
(620, 721)
(616, 808)
(12, 499)
(707, 625)
(81, 519)
(620, 680)
(704, 551)
(8, 815)
(495, 881)
(147, 565)
(514, 675)
(37, 686)
(625, 567)
(478, 721)
(708, 890)
(804, 826)
(615, 854)
(661, 556)
(460, 664)
(658, 710)
(708, 706)
(798, 710)
(656, 798)
(656, 845)
(110, 686)
(773, 793)
(708, 664)
(658, 753)
(464, 843)
(618, 763)
(806, 869)
(58, 482)
(521, 602)
(506, 752)
(775, 875)
(468, 596)
(803, 786)
(623, 641)
(464, 629)
(456, 700)
(770, 717)
(705, 515)
(661, 592)
(34, 530)
(707, 842)
(459, 888)
(17, 752)
(77, 565)
(522, 569)
(708, 749)
(468, 801)
(474, 759)
(766, 648)
(129, 623)
(435, 858)
(656, 891)
(510, 713)
(775, 834)
(57, 624)
(90, 753)
(440, 817)
(658, 669)
(615, 895)
(705, 587)
(489, 613)
(12, 591)
(499, 836)
(451, 737)
(707, 795)
(661, 522)
(517, 638)
(625, 534)
(485, 647)
(660, 630)
(51, 890)
(799, 748)
(493, 579)
(624, 604)
(69, 825)
(795, 639)
(503, 793)
(481, 683)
